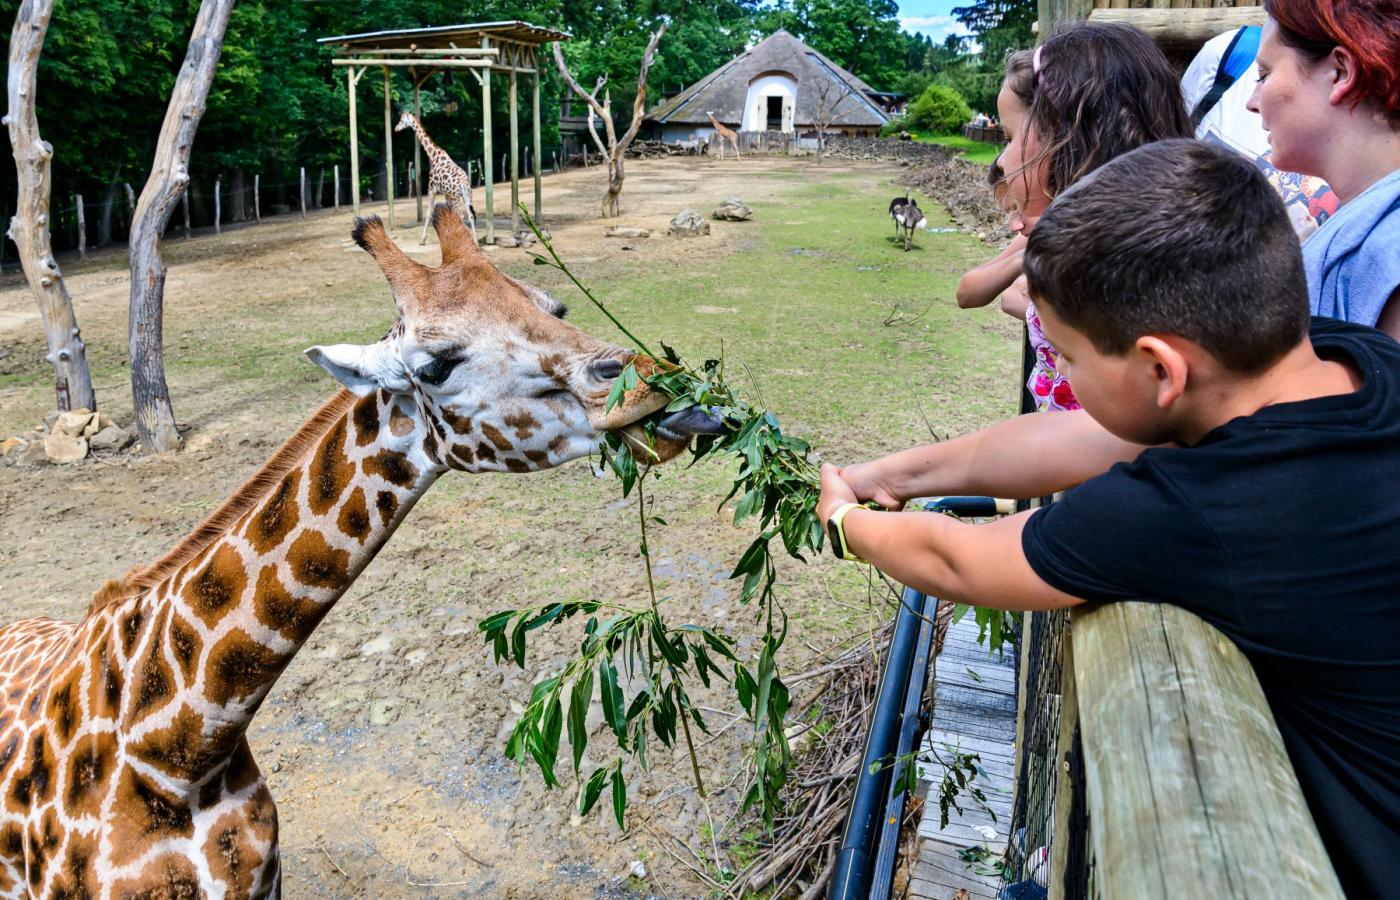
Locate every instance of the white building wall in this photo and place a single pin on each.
(756, 103)
(672, 133)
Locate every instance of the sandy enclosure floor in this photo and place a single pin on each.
(382, 741)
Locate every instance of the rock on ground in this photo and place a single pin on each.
(688, 223)
(111, 438)
(733, 209)
(626, 231)
(64, 449)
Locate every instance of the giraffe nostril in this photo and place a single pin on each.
(606, 369)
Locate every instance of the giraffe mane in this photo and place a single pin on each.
(291, 453)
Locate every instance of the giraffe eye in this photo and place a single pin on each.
(436, 372)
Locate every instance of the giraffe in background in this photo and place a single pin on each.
(446, 179)
(725, 134)
(124, 764)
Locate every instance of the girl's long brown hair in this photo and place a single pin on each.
(1102, 89)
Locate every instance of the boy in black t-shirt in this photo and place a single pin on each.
(1172, 284)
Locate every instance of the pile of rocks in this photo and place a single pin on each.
(905, 153)
(66, 437)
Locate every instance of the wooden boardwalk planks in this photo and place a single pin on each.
(974, 710)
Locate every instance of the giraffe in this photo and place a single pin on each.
(446, 179)
(725, 134)
(125, 771)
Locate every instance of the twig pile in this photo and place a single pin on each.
(829, 742)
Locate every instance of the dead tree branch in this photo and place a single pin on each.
(29, 228)
(615, 149)
(169, 177)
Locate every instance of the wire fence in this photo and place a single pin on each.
(78, 223)
(1050, 762)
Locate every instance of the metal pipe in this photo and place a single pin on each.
(855, 863)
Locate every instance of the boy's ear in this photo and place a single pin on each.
(1170, 368)
(363, 369)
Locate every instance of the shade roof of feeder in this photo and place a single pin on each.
(448, 37)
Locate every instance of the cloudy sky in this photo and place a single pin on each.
(931, 17)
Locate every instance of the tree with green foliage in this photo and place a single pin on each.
(861, 36)
(939, 110)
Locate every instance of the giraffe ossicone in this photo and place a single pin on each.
(124, 766)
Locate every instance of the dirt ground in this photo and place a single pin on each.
(383, 740)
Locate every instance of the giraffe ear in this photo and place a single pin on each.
(363, 369)
(456, 240)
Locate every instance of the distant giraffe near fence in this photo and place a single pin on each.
(725, 134)
(445, 177)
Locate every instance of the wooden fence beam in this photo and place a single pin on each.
(257, 202)
(1190, 790)
(1183, 27)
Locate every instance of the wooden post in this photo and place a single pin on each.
(351, 78)
(218, 211)
(1062, 765)
(417, 153)
(1190, 790)
(388, 147)
(130, 203)
(486, 147)
(82, 228)
(337, 187)
(186, 204)
(301, 191)
(535, 136)
(514, 158)
(257, 203)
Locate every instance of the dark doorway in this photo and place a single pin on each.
(775, 113)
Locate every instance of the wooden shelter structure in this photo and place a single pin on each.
(479, 48)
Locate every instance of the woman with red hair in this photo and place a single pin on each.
(1329, 96)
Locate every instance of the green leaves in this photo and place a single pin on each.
(777, 487)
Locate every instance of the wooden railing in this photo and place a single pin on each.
(1187, 787)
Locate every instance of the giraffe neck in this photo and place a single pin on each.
(203, 648)
(428, 146)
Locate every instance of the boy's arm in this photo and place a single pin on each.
(1029, 456)
(983, 565)
(981, 285)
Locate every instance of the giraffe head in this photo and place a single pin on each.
(489, 366)
(405, 121)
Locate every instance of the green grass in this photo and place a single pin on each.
(973, 151)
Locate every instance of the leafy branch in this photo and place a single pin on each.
(639, 663)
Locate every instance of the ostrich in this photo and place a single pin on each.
(906, 215)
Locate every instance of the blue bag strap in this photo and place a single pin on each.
(1244, 46)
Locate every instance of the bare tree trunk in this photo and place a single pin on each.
(29, 228)
(616, 147)
(155, 418)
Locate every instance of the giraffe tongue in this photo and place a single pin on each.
(663, 450)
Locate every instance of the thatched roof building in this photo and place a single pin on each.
(780, 84)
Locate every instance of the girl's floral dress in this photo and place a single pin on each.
(1048, 388)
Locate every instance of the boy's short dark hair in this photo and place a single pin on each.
(1176, 237)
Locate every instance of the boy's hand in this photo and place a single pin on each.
(864, 480)
(835, 493)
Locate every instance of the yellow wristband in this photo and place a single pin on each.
(837, 534)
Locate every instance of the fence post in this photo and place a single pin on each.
(301, 191)
(337, 188)
(186, 204)
(82, 229)
(130, 203)
(257, 205)
(218, 210)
